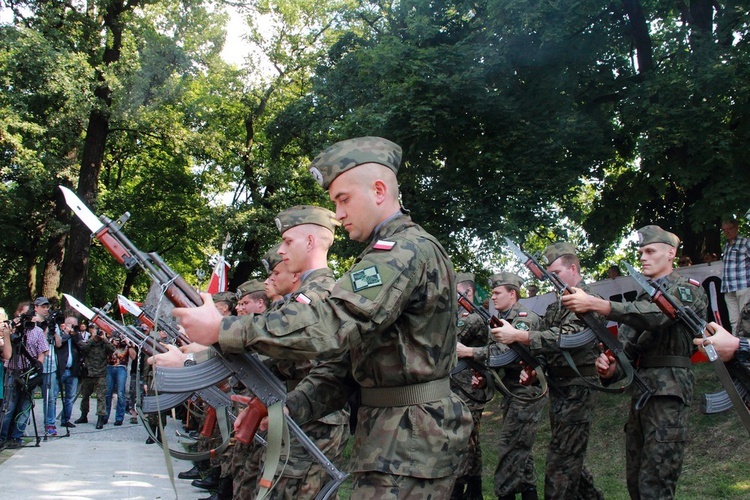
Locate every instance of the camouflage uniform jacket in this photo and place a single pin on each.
(471, 331)
(96, 353)
(524, 319)
(559, 321)
(395, 312)
(320, 282)
(647, 332)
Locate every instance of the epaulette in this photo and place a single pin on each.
(384, 245)
(694, 282)
(303, 298)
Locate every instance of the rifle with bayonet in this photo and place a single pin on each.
(267, 388)
(214, 396)
(697, 326)
(515, 352)
(599, 330)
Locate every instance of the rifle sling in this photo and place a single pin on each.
(627, 367)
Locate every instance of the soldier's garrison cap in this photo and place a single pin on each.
(463, 277)
(345, 155)
(227, 297)
(271, 258)
(655, 234)
(306, 214)
(250, 287)
(557, 250)
(505, 279)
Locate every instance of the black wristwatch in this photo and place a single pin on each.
(190, 359)
(742, 354)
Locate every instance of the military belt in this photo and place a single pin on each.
(665, 362)
(406, 395)
(568, 372)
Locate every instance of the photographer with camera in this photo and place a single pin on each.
(96, 351)
(25, 367)
(69, 367)
(117, 375)
(49, 322)
(6, 328)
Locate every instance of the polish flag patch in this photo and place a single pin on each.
(694, 282)
(303, 298)
(522, 314)
(384, 245)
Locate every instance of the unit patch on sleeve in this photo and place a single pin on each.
(686, 295)
(365, 278)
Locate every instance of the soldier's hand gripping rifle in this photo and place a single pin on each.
(515, 352)
(602, 333)
(245, 367)
(697, 326)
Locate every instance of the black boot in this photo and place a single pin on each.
(83, 419)
(474, 488)
(529, 494)
(458, 489)
(100, 422)
(196, 472)
(211, 480)
(225, 488)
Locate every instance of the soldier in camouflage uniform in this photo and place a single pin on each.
(472, 332)
(394, 312)
(302, 275)
(573, 400)
(655, 435)
(96, 351)
(515, 472)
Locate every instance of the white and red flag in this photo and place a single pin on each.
(219, 281)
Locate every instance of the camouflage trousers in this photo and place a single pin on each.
(94, 385)
(571, 412)
(379, 485)
(655, 439)
(471, 465)
(515, 468)
(245, 467)
(302, 477)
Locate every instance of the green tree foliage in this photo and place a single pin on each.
(525, 114)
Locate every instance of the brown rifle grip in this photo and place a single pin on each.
(112, 245)
(663, 304)
(210, 422)
(247, 423)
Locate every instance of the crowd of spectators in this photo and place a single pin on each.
(65, 359)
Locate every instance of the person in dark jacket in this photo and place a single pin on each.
(68, 367)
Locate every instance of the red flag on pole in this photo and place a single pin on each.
(219, 282)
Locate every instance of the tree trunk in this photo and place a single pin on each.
(55, 250)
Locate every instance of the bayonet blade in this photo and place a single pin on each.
(640, 279)
(78, 306)
(516, 250)
(81, 210)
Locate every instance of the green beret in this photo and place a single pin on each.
(250, 286)
(655, 234)
(227, 297)
(462, 277)
(271, 258)
(505, 279)
(557, 250)
(345, 155)
(306, 214)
